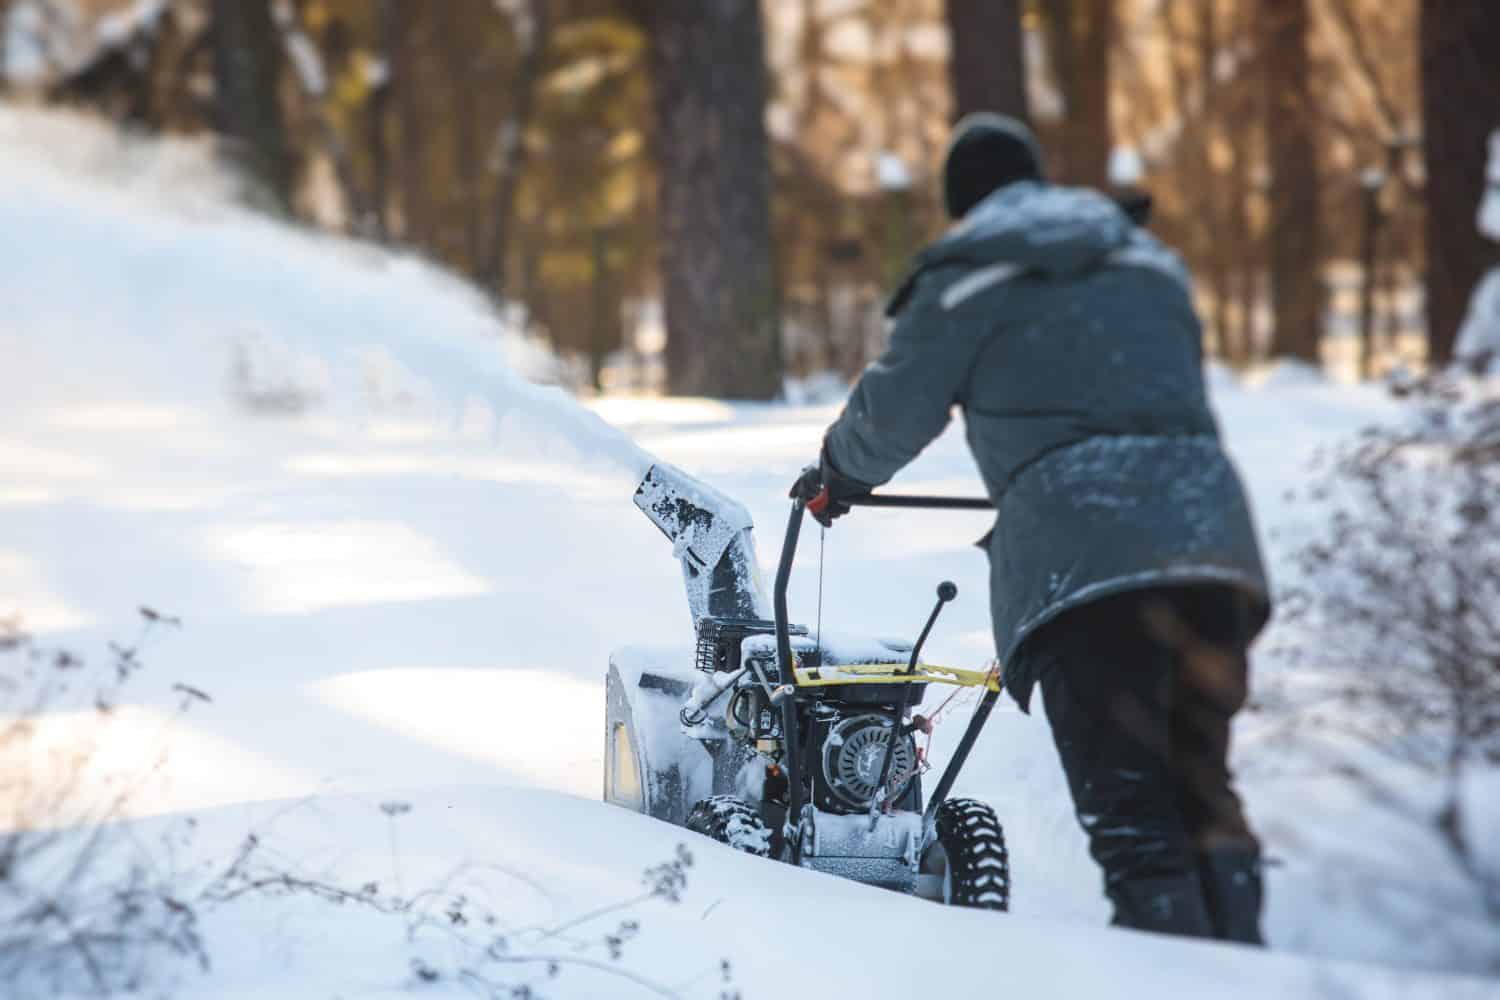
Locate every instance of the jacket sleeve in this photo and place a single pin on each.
(905, 398)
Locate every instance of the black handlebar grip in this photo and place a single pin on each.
(947, 591)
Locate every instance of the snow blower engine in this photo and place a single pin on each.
(785, 745)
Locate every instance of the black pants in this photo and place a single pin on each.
(1140, 689)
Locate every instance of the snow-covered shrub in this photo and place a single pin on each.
(1397, 617)
(459, 928)
(85, 906)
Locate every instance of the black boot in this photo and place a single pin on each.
(1172, 904)
(1234, 891)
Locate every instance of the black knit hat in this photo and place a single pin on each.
(987, 152)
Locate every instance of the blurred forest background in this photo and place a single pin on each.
(702, 196)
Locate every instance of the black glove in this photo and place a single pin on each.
(826, 491)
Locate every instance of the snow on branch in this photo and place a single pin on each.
(1396, 620)
(86, 905)
(302, 51)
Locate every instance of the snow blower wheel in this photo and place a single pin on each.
(733, 821)
(970, 856)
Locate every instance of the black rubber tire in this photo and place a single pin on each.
(978, 865)
(733, 821)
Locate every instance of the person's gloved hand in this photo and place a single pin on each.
(826, 492)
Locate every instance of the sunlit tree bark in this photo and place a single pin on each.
(987, 59)
(247, 84)
(1461, 106)
(377, 114)
(1296, 230)
(717, 261)
(1080, 34)
(4, 46)
(533, 28)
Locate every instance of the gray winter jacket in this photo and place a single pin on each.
(1068, 338)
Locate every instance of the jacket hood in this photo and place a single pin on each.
(1056, 231)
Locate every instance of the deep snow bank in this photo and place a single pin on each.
(128, 265)
(327, 458)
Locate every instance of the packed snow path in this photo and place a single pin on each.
(401, 570)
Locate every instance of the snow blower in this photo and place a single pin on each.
(786, 745)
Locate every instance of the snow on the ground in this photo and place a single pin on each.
(401, 569)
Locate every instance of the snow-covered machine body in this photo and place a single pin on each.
(786, 744)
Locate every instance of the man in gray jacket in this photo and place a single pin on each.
(1125, 575)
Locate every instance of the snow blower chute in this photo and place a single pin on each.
(784, 746)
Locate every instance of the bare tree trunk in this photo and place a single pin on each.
(1218, 219)
(1296, 232)
(459, 50)
(1081, 35)
(534, 32)
(1247, 266)
(1195, 89)
(812, 53)
(247, 99)
(1369, 256)
(1460, 106)
(604, 313)
(387, 28)
(1247, 103)
(718, 269)
(4, 44)
(312, 78)
(411, 114)
(987, 63)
